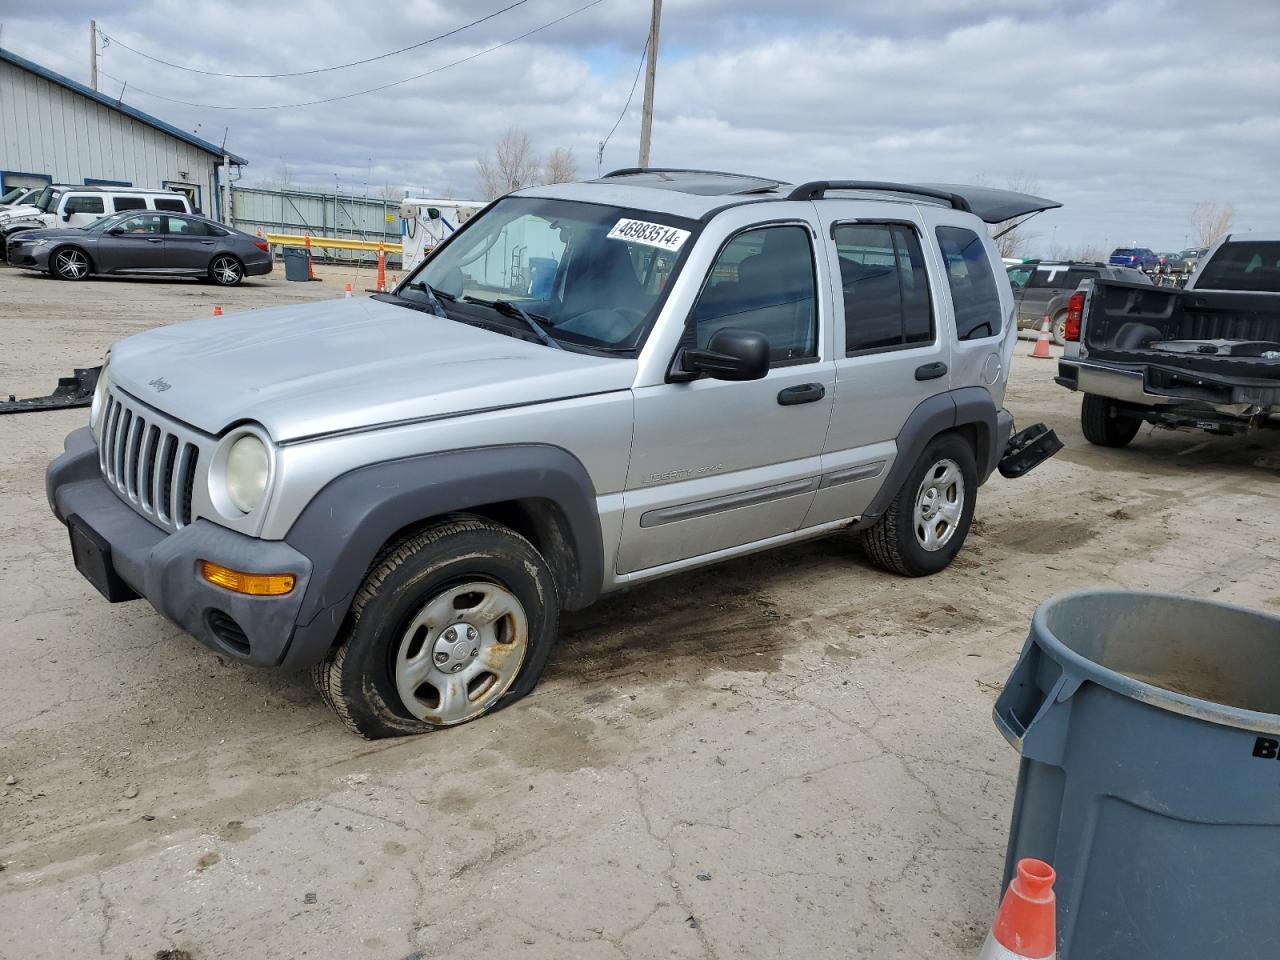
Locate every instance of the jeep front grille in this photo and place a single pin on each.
(150, 461)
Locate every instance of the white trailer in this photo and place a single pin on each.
(425, 221)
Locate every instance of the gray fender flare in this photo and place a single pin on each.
(345, 525)
(968, 406)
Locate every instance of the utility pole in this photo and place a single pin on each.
(93, 54)
(646, 121)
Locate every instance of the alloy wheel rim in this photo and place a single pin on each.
(939, 505)
(460, 652)
(71, 263)
(226, 271)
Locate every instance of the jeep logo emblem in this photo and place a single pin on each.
(159, 384)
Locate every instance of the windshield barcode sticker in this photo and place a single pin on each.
(650, 234)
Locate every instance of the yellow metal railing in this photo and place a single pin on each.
(332, 243)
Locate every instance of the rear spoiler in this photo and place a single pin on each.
(995, 206)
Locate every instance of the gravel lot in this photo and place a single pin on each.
(786, 756)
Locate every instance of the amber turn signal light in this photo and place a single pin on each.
(252, 584)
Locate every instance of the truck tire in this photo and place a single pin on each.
(1102, 427)
(449, 624)
(927, 522)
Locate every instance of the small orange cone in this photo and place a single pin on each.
(217, 311)
(382, 267)
(1024, 928)
(347, 291)
(1042, 341)
(306, 241)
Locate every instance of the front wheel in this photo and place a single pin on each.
(69, 263)
(927, 522)
(226, 271)
(448, 625)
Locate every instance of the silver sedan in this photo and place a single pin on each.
(143, 244)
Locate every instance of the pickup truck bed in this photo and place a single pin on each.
(1201, 358)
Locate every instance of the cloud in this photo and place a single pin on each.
(1128, 112)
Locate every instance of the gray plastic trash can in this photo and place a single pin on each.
(297, 262)
(1149, 731)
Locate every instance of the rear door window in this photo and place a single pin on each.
(1077, 276)
(129, 203)
(974, 295)
(172, 204)
(187, 228)
(84, 205)
(885, 287)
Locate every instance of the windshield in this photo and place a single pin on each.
(12, 195)
(590, 275)
(105, 223)
(48, 199)
(1244, 265)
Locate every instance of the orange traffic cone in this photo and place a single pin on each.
(306, 242)
(1042, 341)
(217, 311)
(347, 291)
(382, 267)
(1024, 926)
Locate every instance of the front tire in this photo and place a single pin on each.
(927, 522)
(70, 263)
(1102, 427)
(226, 271)
(450, 624)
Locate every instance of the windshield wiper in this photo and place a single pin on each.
(512, 309)
(433, 295)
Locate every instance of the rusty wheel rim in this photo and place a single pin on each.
(461, 652)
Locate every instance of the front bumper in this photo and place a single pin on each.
(163, 567)
(24, 253)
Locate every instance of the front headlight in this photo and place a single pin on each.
(247, 471)
(40, 243)
(99, 395)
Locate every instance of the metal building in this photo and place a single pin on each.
(54, 130)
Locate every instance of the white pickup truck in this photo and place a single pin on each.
(1205, 357)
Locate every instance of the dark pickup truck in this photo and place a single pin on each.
(1206, 357)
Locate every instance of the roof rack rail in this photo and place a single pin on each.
(816, 190)
(631, 171)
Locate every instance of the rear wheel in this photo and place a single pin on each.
(1058, 329)
(226, 271)
(69, 263)
(927, 522)
(1103, 426)
(450, 624)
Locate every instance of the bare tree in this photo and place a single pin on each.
(561, 167)
(512, 165)
(1211, 221)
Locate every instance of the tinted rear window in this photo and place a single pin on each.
(974, 294)
(129, 203)
(1246, 265)
(174, 205)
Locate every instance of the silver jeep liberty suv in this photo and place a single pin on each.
(587, 386)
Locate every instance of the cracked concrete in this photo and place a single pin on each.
(812, 736)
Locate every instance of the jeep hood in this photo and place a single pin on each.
(342, 364)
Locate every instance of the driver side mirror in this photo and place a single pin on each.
(66, 215)
(731, 354)
(116, 231)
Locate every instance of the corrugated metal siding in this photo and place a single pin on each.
(45, 128)
(320, 214)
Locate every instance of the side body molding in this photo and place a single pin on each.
(342, 529)
(965, 407)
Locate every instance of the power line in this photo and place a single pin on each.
(625, 107)
(358, 93)
(306, 73)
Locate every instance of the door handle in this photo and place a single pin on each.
(804, 393)
(931, 371)
(155, 239)
(207, 243)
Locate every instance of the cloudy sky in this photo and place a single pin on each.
(1127, 112)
